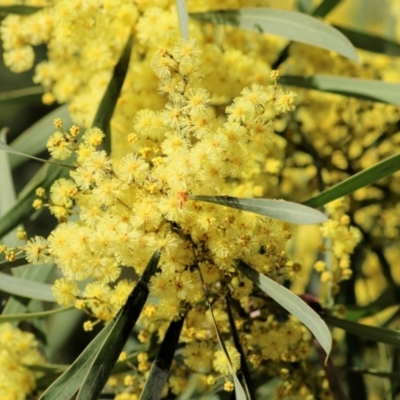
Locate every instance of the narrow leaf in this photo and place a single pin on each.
(12, 264)
(7, 192)
(27, 95)
(288, 24)
(162, 363)
(390, 297)
(33, 140)
(26, 317)
(376, 334)
(23, 207)
(68, 383)
(283, 210)
(183, 18)
(366, 89)
(292, 303)
(26, 288)
(105, 359)
(249, 386)
(239, 390)
(21, 10)
(109, 101)
(9, 149)
(395, 375)
(325, 7)
(17, 304)
(363, 178)
(368, 41)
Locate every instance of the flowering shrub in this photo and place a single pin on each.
(163, 231)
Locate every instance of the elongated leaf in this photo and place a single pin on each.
(7, 192)
(364, 178)
(395, 375)
(183, 18)
(390, 297)
(26, 317)
(21, 10)
(26, 288)
(325, 7)
(370, 42)
(239, 390)
(68, 383)
(60, 328)
(17, 304)
(292, 303)
(113, 91)
(289, 24)
(12, 264)
(243, 364)
(104, 361)
(27, 95)
(23, 208)
(162, 363)
(376, 334)
(33, 140)
(9, 149)
(365, 89)
(48, 368)
(278, 209)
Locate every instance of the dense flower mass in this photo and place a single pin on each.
(202, 117)
(18, 350)
(131, 206)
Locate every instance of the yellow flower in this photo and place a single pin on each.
(221, 363)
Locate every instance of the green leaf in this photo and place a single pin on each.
(376, 334)
(21, 10)
(289, 24)
(387, 299)
(23, 207)
(292, 303)
(370, 42)
(365, 89)
(26, 317)
(183, 18)
(61, 328)
(26, 288)
(104, 361)
(109, 101)
(363, 178)
(248, 384)
(33, 140)
(381, 374)
(18, 262)
(160, 368)
(68, 383)
(325, 7)
(283, 210)
(17, 304)
(7, 192)
(239, 390)
(9, 149)
(26, 96)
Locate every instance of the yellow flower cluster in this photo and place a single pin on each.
(18, 350)
(131, 206)
(341, 239)
(82, 53)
